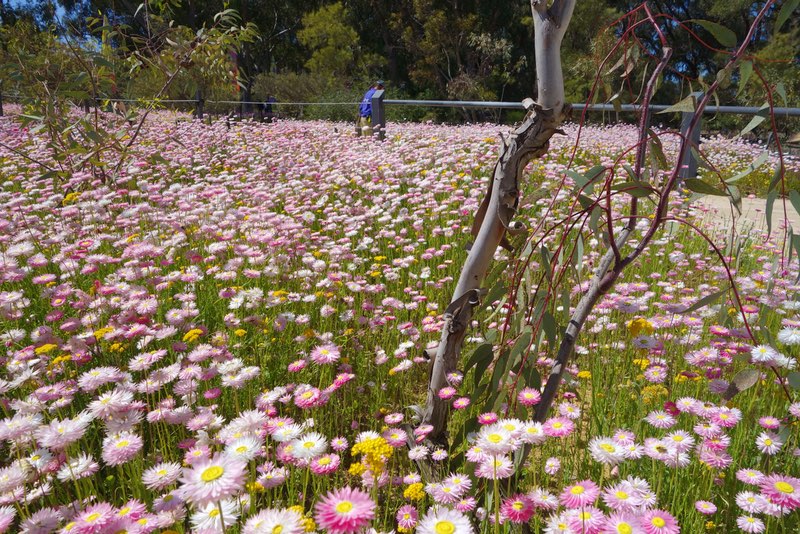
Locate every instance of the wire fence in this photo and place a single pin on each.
(478, 104)
(265, 110)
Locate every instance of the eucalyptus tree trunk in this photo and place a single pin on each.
(494, 218)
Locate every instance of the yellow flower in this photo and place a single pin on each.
(357, 469)
(254, 487)
(585, 374)
(653, 392)
(59, 359)
(376, 452)
(69, 198)
(44, 349)
(414, 492)
(639, 326)
(192, 335)
(240, 332)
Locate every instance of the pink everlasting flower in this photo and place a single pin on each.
(407, 517)
(325, 464)
(517, 509)
(659, 522)
(580, 495)
(325, 354)
(212, 480)
(344, 510)
(705, 507)
(487, 418)
(461, 403)
(782, 490)
(121, 448)
(529, 397)
(558, 427)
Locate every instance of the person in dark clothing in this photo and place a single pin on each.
(269, 114)
(365, 109)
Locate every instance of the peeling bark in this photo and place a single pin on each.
(495, 216)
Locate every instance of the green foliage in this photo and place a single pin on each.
(334, 44)
(289, 87)
(55, 76)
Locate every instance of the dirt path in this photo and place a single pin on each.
(720, 213)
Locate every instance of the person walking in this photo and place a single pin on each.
(364, 125)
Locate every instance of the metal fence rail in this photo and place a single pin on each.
(379, 103)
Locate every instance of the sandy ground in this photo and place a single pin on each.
(720, 213)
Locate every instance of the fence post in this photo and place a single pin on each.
(198, 110)
(689, 164)
(378, 115)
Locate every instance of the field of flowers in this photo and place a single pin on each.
(229, 337)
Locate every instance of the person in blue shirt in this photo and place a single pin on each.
(365, 109)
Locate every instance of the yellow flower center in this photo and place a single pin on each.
(558, 424)
(784, 487)
(241, 449)
(123, 443)
(124, 511)
(517, 505)
(161, 472)
(495, 438)
(577, 490)
(607, 447)
(509, 427)
(621, 495)
(624, 528)
(212, 473)
(344, 507)
(767, 442)
(324, 461)
(445, 527)
(308, 444)
(658, 522)
(213, 513)
(92, 518)
(277, 529)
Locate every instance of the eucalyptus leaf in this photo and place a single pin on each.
(687, 105)
(481, 352)
(786, 11)
(723, 35)
(758, 162)
(705, 301)
(794, 380)
(743, 380)
(699, 186)
(745, 71)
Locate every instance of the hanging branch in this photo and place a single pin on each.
(612, 264)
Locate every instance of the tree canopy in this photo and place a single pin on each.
(455, 49)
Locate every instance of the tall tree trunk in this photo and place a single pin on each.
(529, 140)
